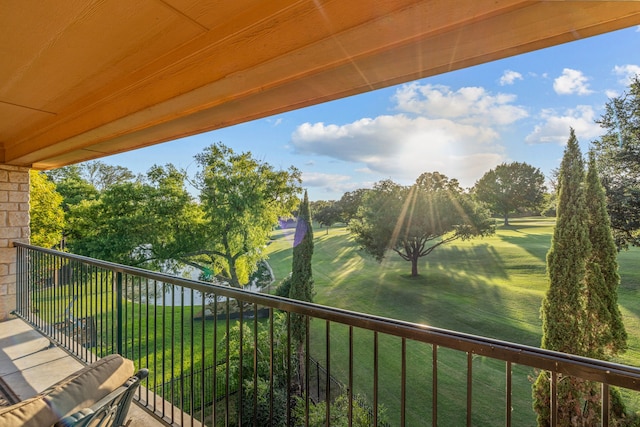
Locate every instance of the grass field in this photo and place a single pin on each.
(491, 287)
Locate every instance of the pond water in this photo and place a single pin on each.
(169, 295)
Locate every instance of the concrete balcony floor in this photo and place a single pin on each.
(30, 364)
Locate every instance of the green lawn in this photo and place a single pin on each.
(490, 287)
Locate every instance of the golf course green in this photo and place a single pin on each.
(491, 287)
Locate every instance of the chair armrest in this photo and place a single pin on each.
(111, 410)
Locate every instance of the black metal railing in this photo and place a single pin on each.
(213, 360)
(322, 385)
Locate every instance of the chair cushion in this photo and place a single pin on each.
(88, 385)
(33, 412)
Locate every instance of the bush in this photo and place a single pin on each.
(339, 413)
(263, 416)
(283, 288)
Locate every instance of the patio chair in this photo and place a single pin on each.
(97, 395)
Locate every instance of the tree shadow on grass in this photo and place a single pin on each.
(536, 244)
(480, 261)
(456, 289)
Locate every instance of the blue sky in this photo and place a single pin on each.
(461, 123)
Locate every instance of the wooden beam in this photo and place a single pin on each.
(194, 93)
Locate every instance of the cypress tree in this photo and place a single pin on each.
(605, 332)
(580, 313)
(301, 282)
(301, 275)
(562, 309)
(566, 260)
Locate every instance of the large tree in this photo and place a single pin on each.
(511, 186)
(45, 210)
(326, 213)
(618, 154)
(413, 221)
(242, 199)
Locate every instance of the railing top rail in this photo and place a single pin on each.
(592, 369)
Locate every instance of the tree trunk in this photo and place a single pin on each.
(414, 266)
(235, 281)
(506, 218)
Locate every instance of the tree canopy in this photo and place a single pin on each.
(618, 155)
(349, 204)
(414, 220)
(145, 223)
(102, 175)
(45, 210)
(242, 199)
(509, 187)
(72, 185)
(152, 220)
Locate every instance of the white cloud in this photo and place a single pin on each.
(571, 82)
(438, 129)
(627, 73)
(274, 121)
(364, 170)
(611, 93)
(468, 105)
(330, 182)
(555, 126)
(402, 147)
(509, 77)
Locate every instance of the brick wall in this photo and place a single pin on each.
(14, 225)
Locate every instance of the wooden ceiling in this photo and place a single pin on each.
(82, 79)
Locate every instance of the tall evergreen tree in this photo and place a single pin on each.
(605, 332)
(580, 313)
(562, 308)
(566, 259)
(301, 275)
(301, 282)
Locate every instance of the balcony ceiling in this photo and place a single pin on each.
(82, 79)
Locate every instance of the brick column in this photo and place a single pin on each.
(14, 225)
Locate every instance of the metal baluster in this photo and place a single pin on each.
(403, 383)
(434, 386)
(509, 394)
(469, 386)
